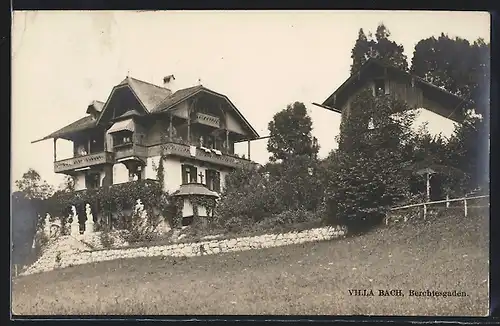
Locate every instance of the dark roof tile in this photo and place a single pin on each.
(149, 94)
(79, 125)
(155, 99)
(176, 97)
(194, 189)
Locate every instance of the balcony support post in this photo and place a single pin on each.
(55, 152)
(248, 142)
(171, 131)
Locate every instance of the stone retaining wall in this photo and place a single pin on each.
(57, 257)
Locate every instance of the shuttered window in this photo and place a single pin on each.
(194, 174)
(213, 180)
(217, 181)
(208, 178)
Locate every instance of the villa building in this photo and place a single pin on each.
(440, 109)
(123, 139)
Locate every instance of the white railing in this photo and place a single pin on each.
(446, 201)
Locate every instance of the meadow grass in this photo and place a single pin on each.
(448, 253)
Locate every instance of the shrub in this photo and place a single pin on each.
(249, 197)
(142, 226)
(106, 240)
(368, 174)
(288, 219)
(299, 182)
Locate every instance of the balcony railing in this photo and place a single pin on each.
(83, 161)
(207, 119)
(129, 150)
(207, 155)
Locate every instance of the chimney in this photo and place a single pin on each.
(169, 83)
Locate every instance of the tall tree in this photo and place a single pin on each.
(33, 187)
(360, 51)
(468, 151)
(389, 51)
(456, 65)
(379, 46)
(290, 134)
(462, 68)
(369, 171)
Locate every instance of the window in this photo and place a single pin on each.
(188, 220)
(213, 180)
(188, 174)
(371, 125)
(97, 144)
(92, 180)
(379, 87)
(135, 173)
(122, 138)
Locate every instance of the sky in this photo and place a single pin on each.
(262, 60)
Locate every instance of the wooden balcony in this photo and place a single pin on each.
(210, 156)
(207, 120)
(74, 163)
(130, 150)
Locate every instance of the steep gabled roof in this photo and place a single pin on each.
(177, 97)
(186, 93)
(149, 94)
(79, 125)
(373, 62)
(154, 98)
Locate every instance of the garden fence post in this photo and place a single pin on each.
(447, 201)
(425, 211)
(465, 207)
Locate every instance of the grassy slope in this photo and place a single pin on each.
(451, 253)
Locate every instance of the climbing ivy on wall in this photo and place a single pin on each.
(113, 199)
(160, 173)
(203, 201)
(197, 201)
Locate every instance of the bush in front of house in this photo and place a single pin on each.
(106, 239)
(142, 227)
(290, 219)
(280, 193)
(248, 198)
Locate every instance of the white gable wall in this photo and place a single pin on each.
(173, 174)
(436, 124)
(233, 124)
(79, 181)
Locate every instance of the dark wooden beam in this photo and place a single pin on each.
(249, 140)
(55, 152)
(328, 108)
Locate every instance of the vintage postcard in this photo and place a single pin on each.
(250, 163)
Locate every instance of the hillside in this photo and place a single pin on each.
(449, 253)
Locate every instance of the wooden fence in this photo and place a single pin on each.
(446, 201)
